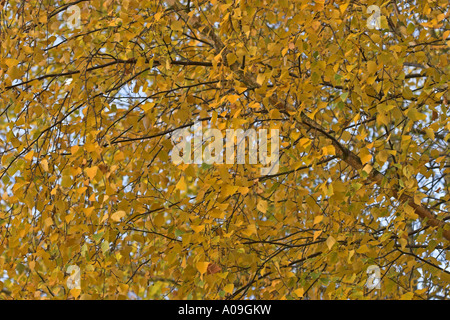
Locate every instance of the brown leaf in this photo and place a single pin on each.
(213, 268)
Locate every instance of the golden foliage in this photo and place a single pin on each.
(89, 104)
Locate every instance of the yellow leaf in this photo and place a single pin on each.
(362, 249)
(315, 24)
(415, 115)
(372, 67)
(181, 184)
(229, 190)
(243, 190)
(91, 172)
(232, 98)
(383, 156)
(75, 292)
(159, 220)
(202, 266)
(11, 62)
(260, 79)
(81, 190)
(446, 34)
(430, 133)
(251, 229)
(407, 296)
(198, 229)
(328, 150)
(299, 292)
(88, 211)
(439, 159)
(148, 106)
(29, 156)
(262, 206)
(304, 142)
(68, 218)
(229, 288)
(330, 242)
(231, 58)
(44, 164)
(74, 149)
(316, 234)
(350, 255)
(421, 291)
(365, 156)
(367, 168)
(317, 219)
(403, 243)
(48, 222)
(411, 213)
(116, 216)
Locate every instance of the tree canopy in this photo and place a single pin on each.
(93, 92)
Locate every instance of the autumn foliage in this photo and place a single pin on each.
(91, 93)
